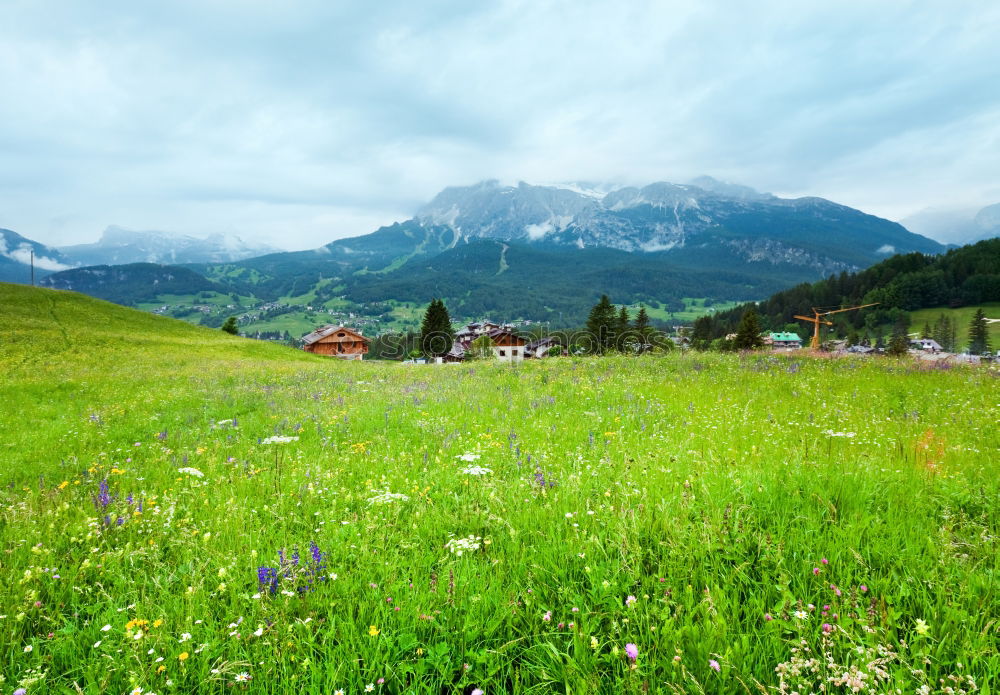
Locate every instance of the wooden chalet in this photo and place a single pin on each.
(336, 341)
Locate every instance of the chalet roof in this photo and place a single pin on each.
(785, 337)
(501, 332)
(542, 342)
(325, 331)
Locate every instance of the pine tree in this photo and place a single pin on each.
(944, 333)
(436, 333)
(600, 324)
(230, 326)
(748, 334)
(899, 344)
(926, 333)
(979, 338)
(621, 330)
(641, 325)
(702, 332)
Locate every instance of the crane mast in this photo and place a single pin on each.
(817, 319)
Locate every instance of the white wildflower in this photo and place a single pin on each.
(476, 470)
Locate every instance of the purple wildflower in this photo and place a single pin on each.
(714, 665)
(631, 651)
(267, 577)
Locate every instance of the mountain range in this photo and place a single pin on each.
(118, 246)
(537, 251)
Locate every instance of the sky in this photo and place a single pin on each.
(298, 122)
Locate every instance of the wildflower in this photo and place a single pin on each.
(768, 617)
(184, 637)
(546, 618)
(864, 589)
(593, 643)
(373, 631)
(105, 628)
(825, 561)
(278, 439)
(370, 687)
(338, 692)
(468, 457)
(97, 644)
(477, 691)
(922, 628)
(258, 632)
(191, 471)
(714, 665)
(244, 677)
(631, 651)
(28, 649)
(476, 470)
(629, 600)
(827, 628)
(136, 691)
(801, 615)
(816, 570)
(183, 656)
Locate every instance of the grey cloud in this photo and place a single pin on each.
(300, 122)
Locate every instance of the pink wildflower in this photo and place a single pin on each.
(631, 651)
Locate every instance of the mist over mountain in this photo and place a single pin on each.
(956, 225)
(15, 258)
(119, 246)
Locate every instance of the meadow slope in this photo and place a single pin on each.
(182, 511)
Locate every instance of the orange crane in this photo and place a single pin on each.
(816, 320)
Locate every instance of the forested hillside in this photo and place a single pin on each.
(965, 276)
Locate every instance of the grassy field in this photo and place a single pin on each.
(694, 307)
(186, 512)
(962, 317)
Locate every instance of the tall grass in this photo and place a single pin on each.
(538, 519)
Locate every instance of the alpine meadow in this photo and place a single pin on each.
(184, 511)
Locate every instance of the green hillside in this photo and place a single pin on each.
(44, 330)
(961, 317)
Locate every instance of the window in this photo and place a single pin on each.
(503, 354)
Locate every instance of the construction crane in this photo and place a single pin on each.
(817, 319)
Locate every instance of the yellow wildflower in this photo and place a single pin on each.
(372, 630)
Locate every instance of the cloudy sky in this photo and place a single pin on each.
(300, 122)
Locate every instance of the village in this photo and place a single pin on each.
(505, 343)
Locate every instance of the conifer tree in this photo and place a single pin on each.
(621, 330)
(641, 324)
(748, 334)
(436, 333)
(899, 344)
(979, 338)
(230, 326)
(702, 332)
(600, 324)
